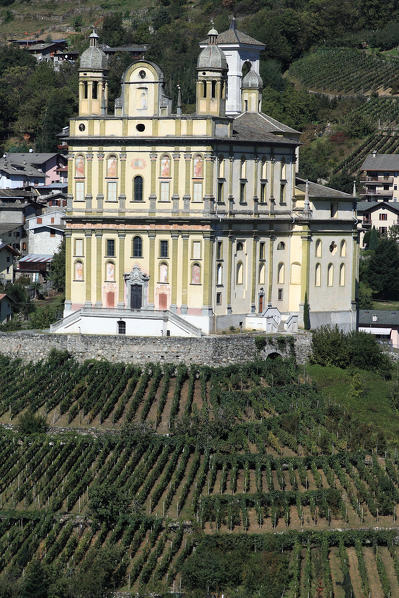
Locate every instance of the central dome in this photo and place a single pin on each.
(212, 57)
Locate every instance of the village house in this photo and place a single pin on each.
(381, 215)
(30, 169)
(7, 257)
(5, 308)
(380, 177)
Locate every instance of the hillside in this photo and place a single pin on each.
(208, 464)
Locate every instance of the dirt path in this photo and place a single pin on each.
(354, 573)
(390, 570)
(336, 573)
(374, 578)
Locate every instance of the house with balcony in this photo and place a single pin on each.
(381, 215)
(380, 177)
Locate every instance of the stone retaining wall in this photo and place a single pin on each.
(208, 350)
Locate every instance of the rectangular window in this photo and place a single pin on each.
(165, 195)
(79, 247)
(52, 220)
(383, 217)
(383, 230)
(261, 251)
(39, 220)
(196, 250)
(110, 248)
(220, 192)
(242, 192)
(333, 209)
(219, 250)
(163, 249)
(79, 191)
(282, 193)
(111, 191)
(197, 192)
(218, 298)
(280, 294)
(263, 193)
(52, 233)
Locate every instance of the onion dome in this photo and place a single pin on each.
(252, 81)
(93, 59)
(212, 57)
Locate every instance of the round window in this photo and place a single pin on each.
(142, 74)
(82, 127)
(140, 127)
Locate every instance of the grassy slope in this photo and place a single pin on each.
(373, 408)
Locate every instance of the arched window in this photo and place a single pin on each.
(198, 166)
(317, 275)
(204, 89)
(243, 168)
(219, 274)
(343, 248)
(283, 170)
(342, 275)
(138, 188)
(240, 246)
(262, 270)
(330, 275)
(281, 274)
(281, 245)
(195, 274)
(239, 273)
(295, 273)
(80, 166)
(78, 271)
(110, 272)
(317, 250)
(163, 272)
(121, 327)
(165, 166)
(137, 247)
(94, 93)
(112, 167)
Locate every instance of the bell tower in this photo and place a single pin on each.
(211, 78)
(93, 86)
(251, 92)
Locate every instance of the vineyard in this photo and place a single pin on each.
(346, 71)
(382, 143)
(248, 461)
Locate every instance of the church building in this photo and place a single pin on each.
(190, 224)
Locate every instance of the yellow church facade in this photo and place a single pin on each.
(191, 224)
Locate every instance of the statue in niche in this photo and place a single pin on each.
(110, 271)
(165, 166)
(143, 98)
(198, 167)
(112, 167)
(80, 167)
(195, 274)
(78, 271)
(163, 273)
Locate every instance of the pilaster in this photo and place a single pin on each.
(270, 278)
(153, 187)
(68, 268)
(229, 271)
(151, 282)
(185, 266)
(121, 273)
(175, 195)
(207, 275)
(88, 268)
(253, 281)
(175, 267)
(306, 237)
(99, 268)
(187, 182)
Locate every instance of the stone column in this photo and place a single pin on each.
(71, 179)
(187, 182)
(99, 268)
(175, 195)
(209, 197)
(122, 194)
(121, 272)
(253, 281)
(175, 267)
(100, 194)
(68, 269)
(89, 182)
(151, 282)
(153, 193)
(207, 275)
(185, 265)
(229, 271)
(270, 278)
(88, 268)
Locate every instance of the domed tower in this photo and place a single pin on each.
(251, 92)
(93, 87)
(212, 78)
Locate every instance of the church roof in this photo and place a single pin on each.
(253, 126)
(321, 191)
(234, 36)
(252, 81)
(260, 124)
(212, 57)
(93, 59)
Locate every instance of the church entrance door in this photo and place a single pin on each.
(260, 303)
(136, 296)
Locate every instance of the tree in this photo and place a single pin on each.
(107, 503)
(306, 313)
(57, 271)
(383, 269)
(36, 581)
(365, 296)
(29, 423)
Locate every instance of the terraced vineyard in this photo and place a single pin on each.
(381, 142)
(240, 463)
(346, 71)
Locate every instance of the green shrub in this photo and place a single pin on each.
(29, 423)
(332, 346)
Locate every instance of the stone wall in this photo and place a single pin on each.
(208, 350)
